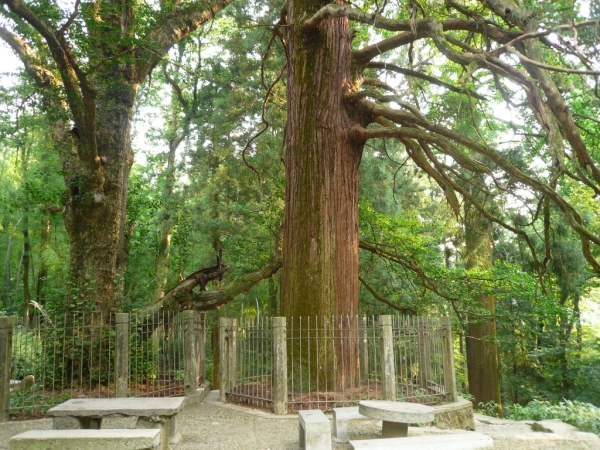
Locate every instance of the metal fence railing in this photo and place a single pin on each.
(418, 355)
(68, 356)
(335, 362)
(78, 356)
(254, 355)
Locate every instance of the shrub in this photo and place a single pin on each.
(584, 416)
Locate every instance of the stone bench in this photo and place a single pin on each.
(341, 417)
(107, 439)
(153, 413)
(459, 441)
(314, 430)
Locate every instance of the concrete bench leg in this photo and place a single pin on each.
(394, 429)
(340, 429)
(301, 436)
(164, 424)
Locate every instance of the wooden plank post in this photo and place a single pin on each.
(363, 349)
(190, 369)
(6, 330)
(448, 357)
(279, 365)
(121, 354)
(388, 367)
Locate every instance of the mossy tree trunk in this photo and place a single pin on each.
(320, 244)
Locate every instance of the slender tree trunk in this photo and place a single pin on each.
(7, 258)
(43, 270)
(482, 353)
(164, 244)
(320, 244)
(26, 264)
(26, 243)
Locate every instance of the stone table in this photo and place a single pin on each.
(152, 412)
(395, 415)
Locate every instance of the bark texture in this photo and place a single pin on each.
(482, 353)
(320, 258)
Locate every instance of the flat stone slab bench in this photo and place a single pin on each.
(154, 412)
(314, 430)
(125, 439)
(458, 441)
(396, 416)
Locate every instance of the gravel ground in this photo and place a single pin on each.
(215, 426)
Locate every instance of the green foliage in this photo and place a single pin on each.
(584, 416)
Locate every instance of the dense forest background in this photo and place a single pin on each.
(207, 185)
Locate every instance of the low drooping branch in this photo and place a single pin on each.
(183, 295)
(403, 309)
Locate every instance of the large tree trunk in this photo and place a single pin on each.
(482, 353)
(95, 219)
(320, 246)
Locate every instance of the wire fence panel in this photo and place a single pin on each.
(254, 368)
(156, 355)
(63, 357)
(337, 361)
(418, 355)
(73, 356)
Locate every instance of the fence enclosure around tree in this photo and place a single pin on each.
(281, 366)
(268, 362)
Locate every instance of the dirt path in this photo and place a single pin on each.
(214, 426)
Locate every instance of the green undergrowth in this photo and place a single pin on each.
(584, 416)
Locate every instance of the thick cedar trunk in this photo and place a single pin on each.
(482, 354)
(320, 246)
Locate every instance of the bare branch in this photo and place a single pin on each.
(422, 76)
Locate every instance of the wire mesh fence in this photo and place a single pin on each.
(74, 356)
(418, 358)
(337, 361)
(254, 356)
(66, 356)
(156, 355)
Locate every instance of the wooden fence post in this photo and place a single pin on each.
(223, 359)
(6, 330)
(388, 367)
(200, 327)
(448, 357)
(279, 365)
(190, 374)
(424, 351)
(232, 354)
(363, 349)
(121, 354)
